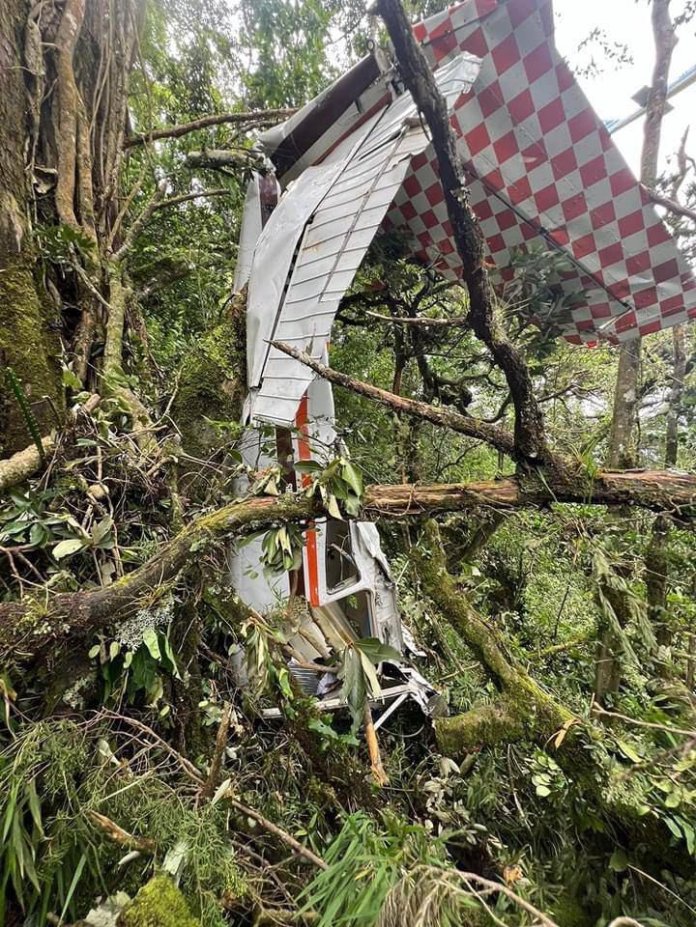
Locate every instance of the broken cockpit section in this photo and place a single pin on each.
(340, 593)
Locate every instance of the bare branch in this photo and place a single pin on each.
(438, 415)
(142, 220)
(247, 120)
(186, 197)
(670, 204)
(420, 321)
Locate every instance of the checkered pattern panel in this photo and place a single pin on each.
(543, 169)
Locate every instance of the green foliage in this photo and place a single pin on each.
(136, 665)
(357, 671)
(290, 48)
(365, 860)
(51, 857)
(39, 783)
(281, 549)
(63, 244)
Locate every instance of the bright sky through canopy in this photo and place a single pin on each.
(627, 22)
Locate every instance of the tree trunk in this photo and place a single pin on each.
(32, 628)
(657, 558)
(29, 342)
(623, 440)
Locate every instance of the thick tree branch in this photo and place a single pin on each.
(530, 438)
(438, 415)
(23, 464)
(32, 628)
(670, 204)
(245, 121)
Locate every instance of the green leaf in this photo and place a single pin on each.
(34, 805)
(308, 466)
(94, 651)
(73, 885)
(375, 650)
(690, 835)
(68, 547)
(102, 531)
(70, 379)
(371, 680)
(152, 643)
(629, 751)
(166, 649)
(353, 477)
(353, 690)
(332, 507)
(543, 791)
(618, 861)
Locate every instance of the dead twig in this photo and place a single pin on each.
(116, 833)
(213, 779)
(245, 120)
(598, 710)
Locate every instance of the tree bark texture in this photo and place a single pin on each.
(29, 342)
(530, 439)
(33, 627)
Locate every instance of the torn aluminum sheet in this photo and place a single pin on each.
(261, 199)
(542, 170)
(295, 289)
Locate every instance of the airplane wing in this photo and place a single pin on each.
(542, 169)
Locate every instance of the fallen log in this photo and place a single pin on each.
(32, 627)
(23, 464)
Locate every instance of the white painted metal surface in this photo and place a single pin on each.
(351, 193)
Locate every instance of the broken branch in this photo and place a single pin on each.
(31, 629)
(244, 120)
(473, 428)
(671, 205)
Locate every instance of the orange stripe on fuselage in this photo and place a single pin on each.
(311, 550)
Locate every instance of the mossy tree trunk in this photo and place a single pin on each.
(29, 341)
(64, 72)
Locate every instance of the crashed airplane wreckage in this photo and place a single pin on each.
(356, 162)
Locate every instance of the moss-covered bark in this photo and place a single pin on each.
(483, 726)
(526, 706)
(28, 336)
(212, 384)
(526, 710)
(32, 349)
(158, 904)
